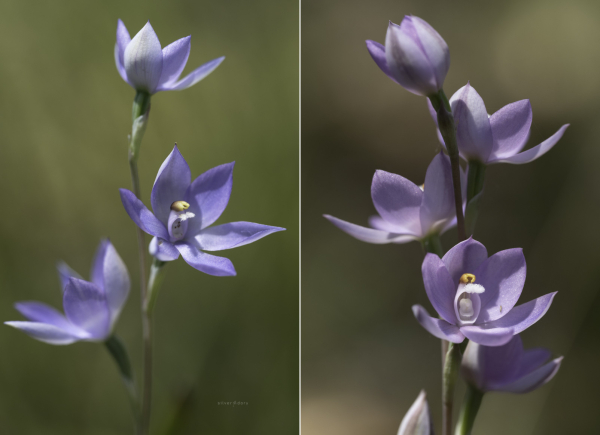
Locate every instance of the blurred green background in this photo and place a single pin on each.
(364, 357)
(65, 115)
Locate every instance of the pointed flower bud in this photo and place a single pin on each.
(417, 420)
(415, 56)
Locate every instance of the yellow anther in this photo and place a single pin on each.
(179, 206)
(422, 187)
(467, 278)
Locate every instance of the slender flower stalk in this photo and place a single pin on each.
(450, 374)
(468, 411)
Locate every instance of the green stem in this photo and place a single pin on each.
(433, 245)
(117, 350)
(475, 183)
(468, 412)
(157, 276)
(450, 374)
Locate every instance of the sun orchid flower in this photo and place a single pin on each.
(497, 138)
(91, 308)
(184, 210)
(475, 296)
(417, 420)
(406, 211)
(145, 67)
(508, 368)
(415, 56)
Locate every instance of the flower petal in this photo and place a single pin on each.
(370, 235)
(86, 307)
(42, 313)
(193, 77)
(535, 379)
(435, 48)
(533, 153)
(123, 39)
(141, 216)
(437, 206)
(439, 287)
(531, 359)
(473, 131)
(170, 185)
(64, 273)
(143, 60)
(417, 420)
(232, 235)
(208, 196)
(175, 56)
(487, 337)
(397, 200)
(503, 276)
(377, 52)
(47, 333)
(525, 315)
(437, 327)
(464, 257)
(510, 128)
(207, 263)
(163, 250)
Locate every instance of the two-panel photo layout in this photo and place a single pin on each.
(284, 217)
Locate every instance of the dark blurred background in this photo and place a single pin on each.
(364, 356)
(65, 115)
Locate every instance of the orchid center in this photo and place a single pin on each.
(178, 219)
(467, 303)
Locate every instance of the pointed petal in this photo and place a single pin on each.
(171, 183)
(487, 337)
(232, 235)
(377, 52)
(525, 315)
(437, 207)
(207, 263)
(378, 223)
(123, 39)
(465, 257)
(437, 327)
(503, 277)
(175, 56)
(435, 48)
(439, 287)
(141, 216)
(42, 313)
(533, 380)
(533, 153)
(163, 250)
(473, 131)
(86, 307)
(397, 200)
(369, 235)
(510, 128)
(47, 333)
(531, 359)
(143, 60)
(193, 77)
(64, 273)
(208, 196)
(417, 420)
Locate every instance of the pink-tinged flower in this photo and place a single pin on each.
(415, 56)
(183, 212)
(146, 67)
(91, 308)
(475, 296)
(497, 138)
(508, 368)
(417, 420)
(407, 212)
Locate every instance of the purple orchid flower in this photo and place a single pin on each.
(145, 67)
(417, 420)
(91, 308)
(475, 296)
(508, 368)
(415, 56)
(407, 212)
(498, 138)
(183, 211)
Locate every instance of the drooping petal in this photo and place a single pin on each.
(487, 337)
(110, 275)
(141, 216)
(397, 199)
(464, 257)
(86, 307)
(439, 287)
(473, 131)
(377, 52)
(42, 313)
(503, 276)
(525, 315)
(175, 56)
(232, 235)
(207, 263)
(47, 333)
(370, 235)
(208, 196)
(533, 380)
(170, 185)
(437, 327)
(64, 273)
(510, 129)
(437, 207)
(533, 153)
(417, 420)
(123, 40)
(163, 250)
(194, 77)
(143, 60)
